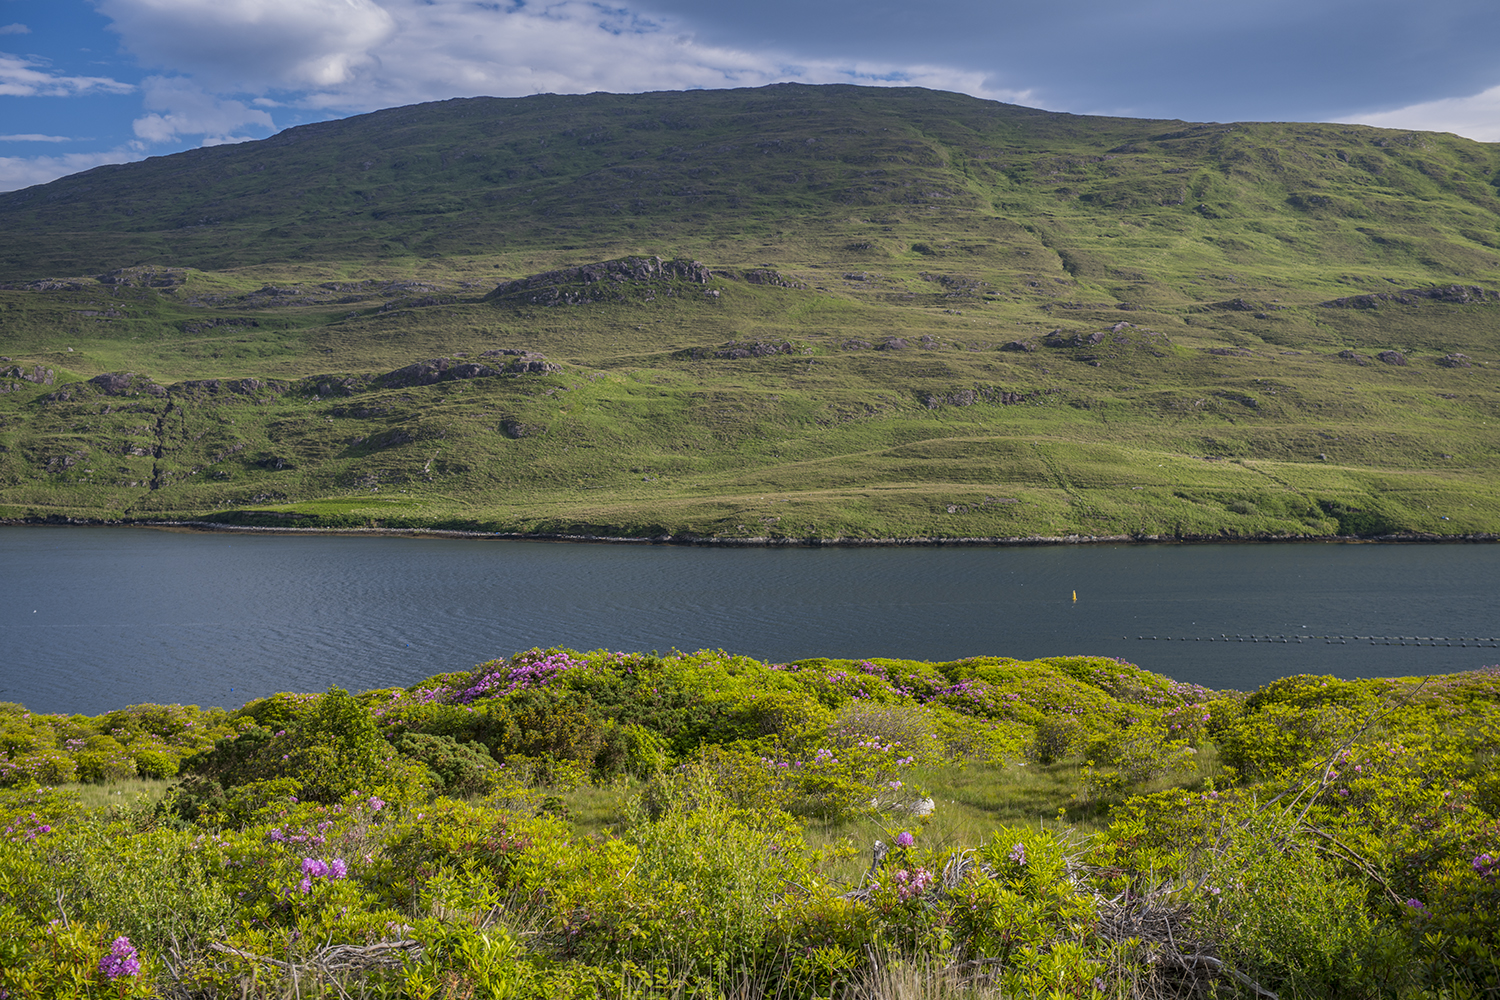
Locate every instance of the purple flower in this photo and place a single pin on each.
(121, 960)
(337, 868)
(314, 868)
(905, 839)
(1416, 904)
(1484, 864)
(1018, 853)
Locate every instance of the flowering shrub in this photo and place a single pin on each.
(414, 842)
(120, 960)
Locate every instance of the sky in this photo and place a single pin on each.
(87, 82)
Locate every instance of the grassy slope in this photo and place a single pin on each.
(903, 213)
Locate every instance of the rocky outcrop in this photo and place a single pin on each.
(744, 349)
(764, 276)
(14, 377)
(144, 277)
(109, 384)
(438, 370)
(1392, 357)
(1354, 356)
(606, 281)
(1455, 361)
(1058, 338)
(983, 394)
(516, 429)
(1462, 295)
(210, 388)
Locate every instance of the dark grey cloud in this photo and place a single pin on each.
(1195, 59)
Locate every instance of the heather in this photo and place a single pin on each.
(566, 824)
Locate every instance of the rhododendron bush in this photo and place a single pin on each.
(565, 824)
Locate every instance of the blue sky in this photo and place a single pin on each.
(84, 82)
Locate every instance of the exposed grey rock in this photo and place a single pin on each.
(125, 384)
(1357, 358)
(1451, 294)
(756, 349)
(765, 276)
(606, 281)
(516, 429)
(1392, 357)
(211, 387)
(1455, 361)
(437, 370)
(982, 394)
(144, 277)
(1019, 345)
(36, 375)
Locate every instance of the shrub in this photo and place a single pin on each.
(1057, 738)
(456, 768)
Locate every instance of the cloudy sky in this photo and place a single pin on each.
(85, 82)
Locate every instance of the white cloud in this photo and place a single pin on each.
(180, 107)
(251, 45)
(22, 77)
(1476, 117)
(24, 171)
(14, 29)
(35, 137)
(359, 55)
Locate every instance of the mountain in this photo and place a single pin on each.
(787, 312)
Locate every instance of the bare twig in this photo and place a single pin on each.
(1333, 761)
(1217, 965)
(1353, 857)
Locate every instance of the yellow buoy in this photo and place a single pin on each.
(1075, 597)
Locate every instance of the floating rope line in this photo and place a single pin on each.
(1373, 640)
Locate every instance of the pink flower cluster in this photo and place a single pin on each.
(120, 960)
(314, 868)
(26, 829)
(911, 884)
(520, 674)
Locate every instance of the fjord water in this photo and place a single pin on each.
(98, 618)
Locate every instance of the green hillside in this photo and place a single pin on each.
(790, 312)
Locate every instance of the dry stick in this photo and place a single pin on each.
(1354, 858)
(250, 955)
(1209, 962)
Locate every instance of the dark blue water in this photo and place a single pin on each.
(98, 618)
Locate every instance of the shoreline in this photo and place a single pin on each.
(766, 541)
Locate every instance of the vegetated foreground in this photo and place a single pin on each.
(787, 313)
(707, 825)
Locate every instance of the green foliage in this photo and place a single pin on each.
(456, 768)
(1349, 852)
(332, 749)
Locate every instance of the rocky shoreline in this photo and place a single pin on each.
(766, 541)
